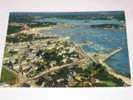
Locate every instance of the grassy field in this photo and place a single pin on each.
(7, 76)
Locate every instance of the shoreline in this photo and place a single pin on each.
(36, 30)
(125, 79)
(111, 71)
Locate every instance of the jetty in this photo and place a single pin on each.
(104, 57)
(112, 53)
(102, 60)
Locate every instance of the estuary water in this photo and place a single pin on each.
(105, 40)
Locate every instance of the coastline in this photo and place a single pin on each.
(36, 30)
(125, 79)
(117, 75)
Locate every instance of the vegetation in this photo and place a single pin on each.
(41, 24)
(106, 78)
(110, 26)
(79, 77)
(13, 29)
(19, 38)
(7, 76)
(10, 53)
(25, 38)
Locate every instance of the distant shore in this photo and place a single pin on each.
(35, 30)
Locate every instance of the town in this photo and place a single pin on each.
(32, 59)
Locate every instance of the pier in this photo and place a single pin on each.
(112, 53)
(104, 57)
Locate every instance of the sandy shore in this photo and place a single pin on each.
(118, 76)
(36, 30)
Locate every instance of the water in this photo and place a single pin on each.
(106, 40)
